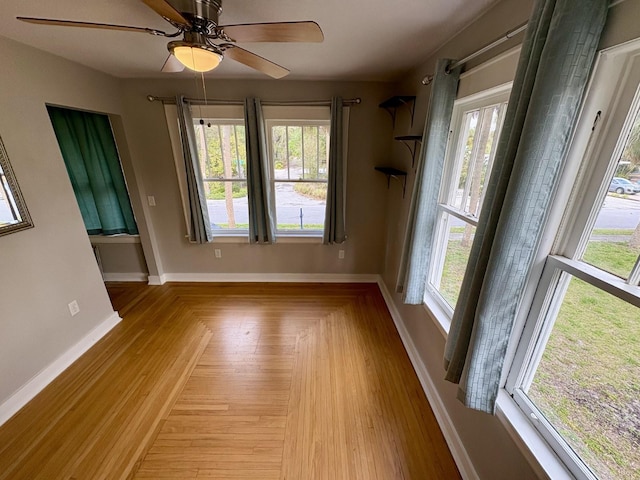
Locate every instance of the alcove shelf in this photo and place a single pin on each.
(392, 105)
(411, 142)
(399, 175)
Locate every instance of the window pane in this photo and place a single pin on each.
(614, 244)
(221, 149)
(300, 152)
(300, 205)
(315, 152)
(227, 205)
(587, 381)
(457, 240)
(280, 152)
(477, 154)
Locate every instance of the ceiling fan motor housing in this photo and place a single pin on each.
(203, 14)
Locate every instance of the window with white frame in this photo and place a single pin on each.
(220, 137)
(298, 156)
(298, 139)
(475, 127)
(576, 370)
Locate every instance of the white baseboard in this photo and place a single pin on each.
(34, 386)
(459, 453)
(157, 279)
(125, 277)
(271, 277)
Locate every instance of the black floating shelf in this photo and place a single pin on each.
(392, 104)
(415, 138)
(391, 172)
(411, 142)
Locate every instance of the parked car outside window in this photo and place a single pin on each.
(622, 185)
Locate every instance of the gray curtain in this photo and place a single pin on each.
(200, 231)
(334, 223)
(261, 203)
(555, 63)
(416, 254)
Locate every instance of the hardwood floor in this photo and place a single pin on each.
(241, 381)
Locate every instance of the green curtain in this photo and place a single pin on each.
(555, 64)
(412, 278)
(91, 157)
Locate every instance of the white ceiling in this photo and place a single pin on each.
(364, 39)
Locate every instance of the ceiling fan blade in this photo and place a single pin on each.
(163, 8)
(275, 32)
(105, 26)
(172, 65)
(255, 61)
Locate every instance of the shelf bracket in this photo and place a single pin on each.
(392, 104)
(411, 142)
(399, 175)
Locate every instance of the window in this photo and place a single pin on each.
(223, 163)
(475, 128)
(299, 158)
(298, 155)
(576, 369)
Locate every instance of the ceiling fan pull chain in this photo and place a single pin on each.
(204, 90)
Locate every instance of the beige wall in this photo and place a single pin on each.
(45, 268)
(122, 258)
(490, 448)
(370, 129)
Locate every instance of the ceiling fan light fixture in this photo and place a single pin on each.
(196, 57)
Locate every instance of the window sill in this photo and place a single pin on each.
(230, 238)
(536, 450)
(103, 239)
(243, 239)
(441, 317)
(299, 238)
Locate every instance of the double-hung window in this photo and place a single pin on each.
(298, 142)
(297, 157)
(220, 138)
(475, 128)
(576, 371)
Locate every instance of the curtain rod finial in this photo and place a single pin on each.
(427, 80)
(151, 98)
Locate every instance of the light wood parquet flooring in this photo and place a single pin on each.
(242, 381)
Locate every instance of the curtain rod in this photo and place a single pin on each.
(511, 33)
(306, 103)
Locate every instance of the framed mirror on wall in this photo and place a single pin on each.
(14, 215)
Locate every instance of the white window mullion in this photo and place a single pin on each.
(598, 278)
(465, 217)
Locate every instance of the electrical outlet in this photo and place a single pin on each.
(74, 309)
(218, 253)
(152, 200)
(340, 254)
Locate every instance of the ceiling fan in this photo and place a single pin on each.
(204, 42)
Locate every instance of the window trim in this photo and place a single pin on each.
(286, 121)
(219, 119)
(433, 299)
